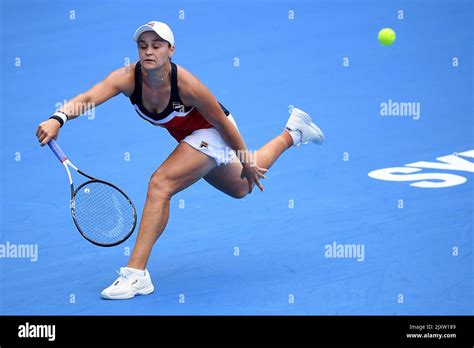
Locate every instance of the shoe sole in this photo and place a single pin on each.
(145, 291)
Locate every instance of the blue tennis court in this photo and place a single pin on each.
(325, 237)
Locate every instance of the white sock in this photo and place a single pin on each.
(137, 271)
(295, 135)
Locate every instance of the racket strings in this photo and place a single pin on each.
(103, 213)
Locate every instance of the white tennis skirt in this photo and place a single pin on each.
(210, 142)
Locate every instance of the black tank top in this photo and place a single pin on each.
(175, 103)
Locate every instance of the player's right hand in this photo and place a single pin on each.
(47, 130)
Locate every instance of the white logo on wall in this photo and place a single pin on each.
(37, 331)
(405, 109)
(430, 179)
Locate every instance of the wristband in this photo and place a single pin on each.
(60, 116)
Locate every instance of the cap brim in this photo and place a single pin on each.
(141, 30)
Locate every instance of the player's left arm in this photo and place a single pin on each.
(195, 93)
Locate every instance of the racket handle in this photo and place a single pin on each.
(57, 150)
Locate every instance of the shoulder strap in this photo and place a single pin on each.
(136, 96)
(174, 84)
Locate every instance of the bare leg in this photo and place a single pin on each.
(154, 220)
(269, 153)
(227, 178)
(184, 166)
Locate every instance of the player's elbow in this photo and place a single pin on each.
(222, 124)
(219, 126)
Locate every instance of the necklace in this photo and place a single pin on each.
(159, 78)
(166, 75)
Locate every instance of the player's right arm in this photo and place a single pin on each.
(119, 81)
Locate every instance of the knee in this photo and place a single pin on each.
(160, 186)
(240, 192)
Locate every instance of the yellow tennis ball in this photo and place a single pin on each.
(386, 36)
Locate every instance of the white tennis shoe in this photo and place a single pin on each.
(301, 122)
(130, 282)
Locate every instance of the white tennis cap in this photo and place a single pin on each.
(162, 29)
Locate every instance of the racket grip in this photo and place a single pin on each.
(57, 150)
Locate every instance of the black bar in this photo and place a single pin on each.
(287, 330)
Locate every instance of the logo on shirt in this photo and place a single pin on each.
(178, 106)
(203, 145)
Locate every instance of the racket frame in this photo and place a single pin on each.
(67, 163)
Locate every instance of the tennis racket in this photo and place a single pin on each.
(103, 213)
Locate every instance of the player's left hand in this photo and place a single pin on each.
(253, 173)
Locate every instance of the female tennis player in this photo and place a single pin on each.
(209, 143)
